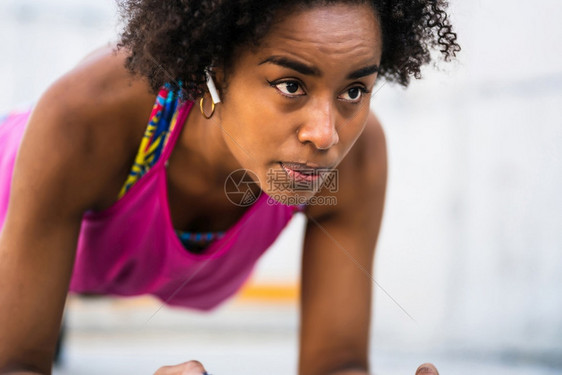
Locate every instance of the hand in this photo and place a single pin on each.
(427, 369)
(186, 368)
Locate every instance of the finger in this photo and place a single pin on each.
(186, 368)
(427, 369)
(193, 366)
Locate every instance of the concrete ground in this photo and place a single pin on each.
(137, 336)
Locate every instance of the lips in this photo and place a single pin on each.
(302, 172)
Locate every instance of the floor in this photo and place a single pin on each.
(136, 337)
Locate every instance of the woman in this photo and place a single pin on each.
(245, 99)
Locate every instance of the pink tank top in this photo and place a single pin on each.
(131, 248)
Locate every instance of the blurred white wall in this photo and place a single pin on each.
(42, 39)
(471, 244)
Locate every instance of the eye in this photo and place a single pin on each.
(288, 88)
(354, 94)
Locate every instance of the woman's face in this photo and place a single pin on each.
(300, 100)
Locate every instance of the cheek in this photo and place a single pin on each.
(350, 127)
(349, 132)
(250, 135)
(253, 122)
(251, 103)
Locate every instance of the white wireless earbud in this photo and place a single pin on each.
(212, 88)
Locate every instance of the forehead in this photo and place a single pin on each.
(326, 31)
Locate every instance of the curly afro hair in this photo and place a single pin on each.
(175, 40)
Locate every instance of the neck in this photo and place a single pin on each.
(204, 150)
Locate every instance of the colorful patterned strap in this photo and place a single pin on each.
(162, 122)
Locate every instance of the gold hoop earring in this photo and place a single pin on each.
(203, 111)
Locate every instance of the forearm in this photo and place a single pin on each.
(349, 372)
(339, 370)
(20, 370)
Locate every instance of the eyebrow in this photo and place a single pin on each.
(363, 72)
(292, 64)
(313, 71)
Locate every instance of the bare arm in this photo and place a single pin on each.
(73, 158)
(337, 264)
(38, 242)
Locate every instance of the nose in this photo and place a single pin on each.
(320, 126)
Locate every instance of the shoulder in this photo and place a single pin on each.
(90, 122)
(361, 176)
(99, 90)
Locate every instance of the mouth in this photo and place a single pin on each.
(303, 173)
